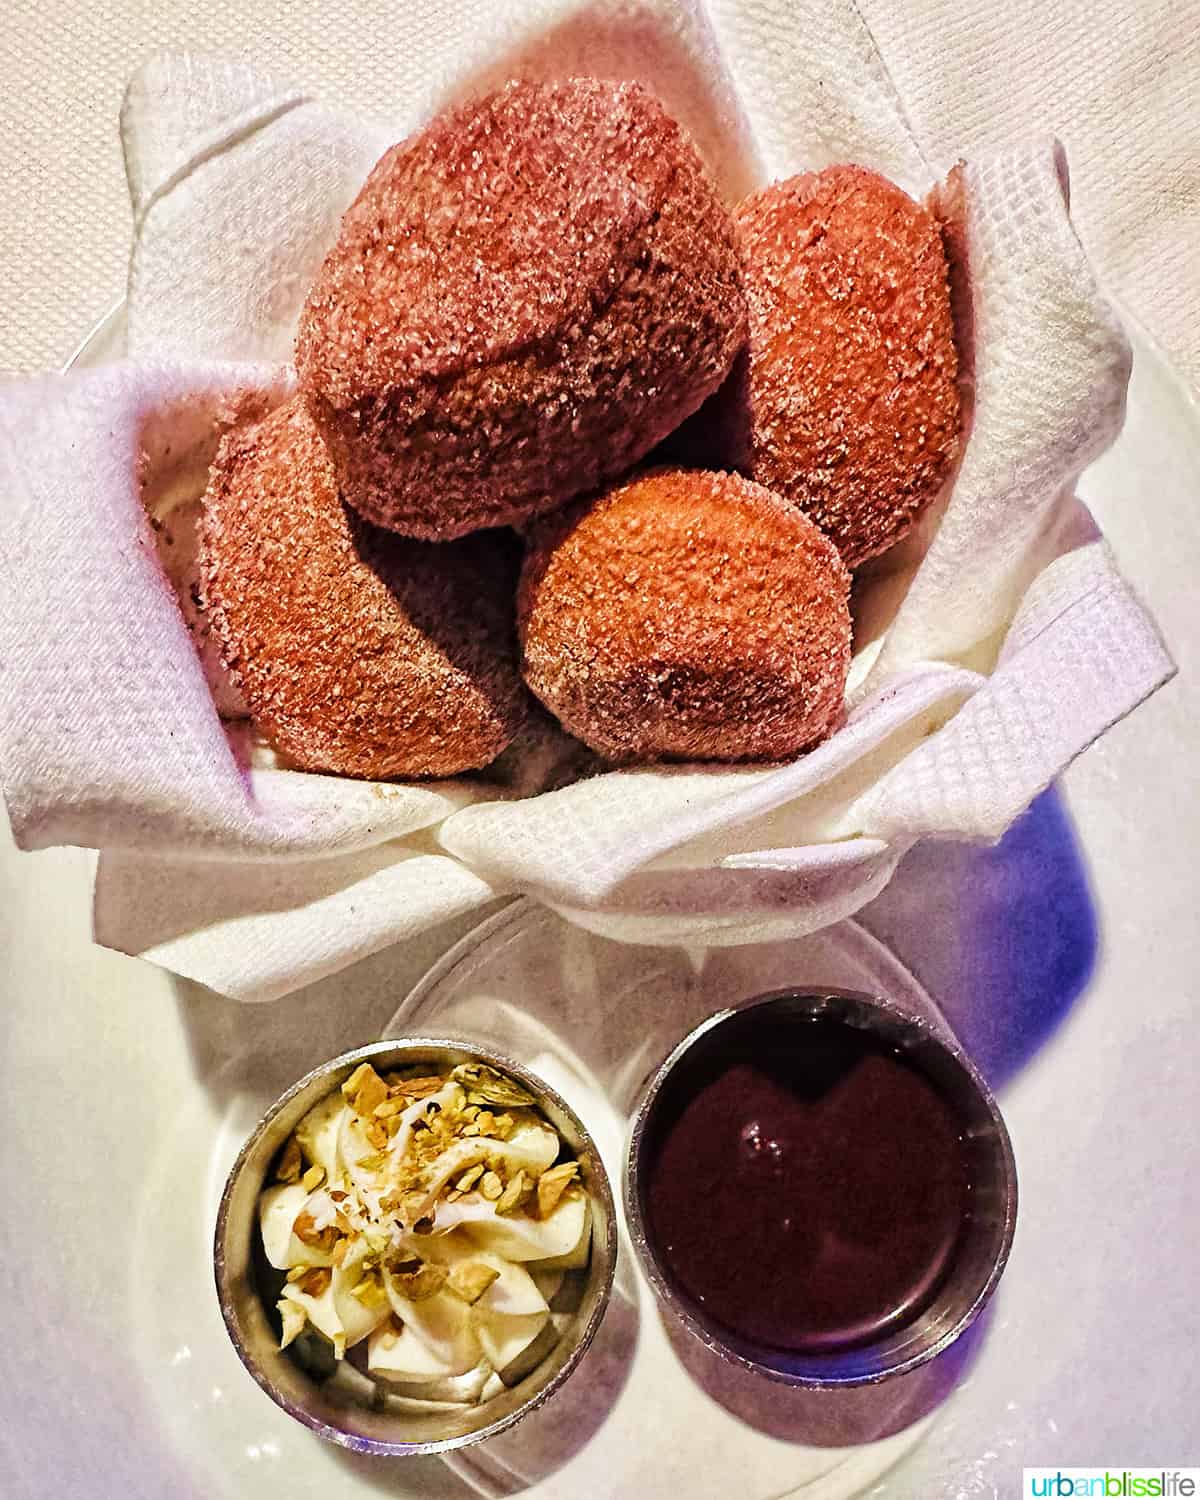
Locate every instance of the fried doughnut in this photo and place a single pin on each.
(357, 651)
(846, 402)
(686, 616)
(525, 297)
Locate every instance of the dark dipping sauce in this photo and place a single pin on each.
(806, 1184)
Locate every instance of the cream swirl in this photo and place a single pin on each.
(432, 1217)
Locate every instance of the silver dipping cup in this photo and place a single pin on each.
(348, 1408)
(987, 1231)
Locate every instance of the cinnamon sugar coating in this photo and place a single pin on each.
(357, 651)
(525, 297)
(846, 403)
(686, 616)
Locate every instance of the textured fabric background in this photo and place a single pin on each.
(64, 210)
(1117, 80)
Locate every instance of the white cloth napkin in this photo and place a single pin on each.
(982, 667)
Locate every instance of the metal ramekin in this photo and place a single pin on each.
(334, 1409)
(988, 1235)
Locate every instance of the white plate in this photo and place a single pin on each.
(621, 1009)
(122, 1385)
(594, 1018)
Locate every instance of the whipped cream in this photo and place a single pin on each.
(431, 1219)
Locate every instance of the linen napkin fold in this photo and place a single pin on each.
(991, 650)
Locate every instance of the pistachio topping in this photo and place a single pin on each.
(485, 1085)
(369, 1290)
(408, 1210)
(512, 1195)
(471, 1278)
(417, 1279)
(415, 1088)
(553, 1184)
(308, 1232)
(315, 1282)
(364, 1089)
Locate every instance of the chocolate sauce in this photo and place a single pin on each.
(806, 1185)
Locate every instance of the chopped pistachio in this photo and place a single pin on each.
(469, 1279)
(367, 1226)
(552, 1184)
(418, 1088)
(352, 1084)
(316, 1282)
(485, 1085)
(510, 1198)
(364, 1089)
(412, 1205)
(306, 1231)
(369, 1291)
(372, 1094)
(377, 1242)
(417, 1279)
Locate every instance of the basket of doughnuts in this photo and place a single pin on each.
(666, 555)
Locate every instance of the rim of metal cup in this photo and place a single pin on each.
(851, 1367)
(238, 1292)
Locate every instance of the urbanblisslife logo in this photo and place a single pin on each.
(1114, 1484)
